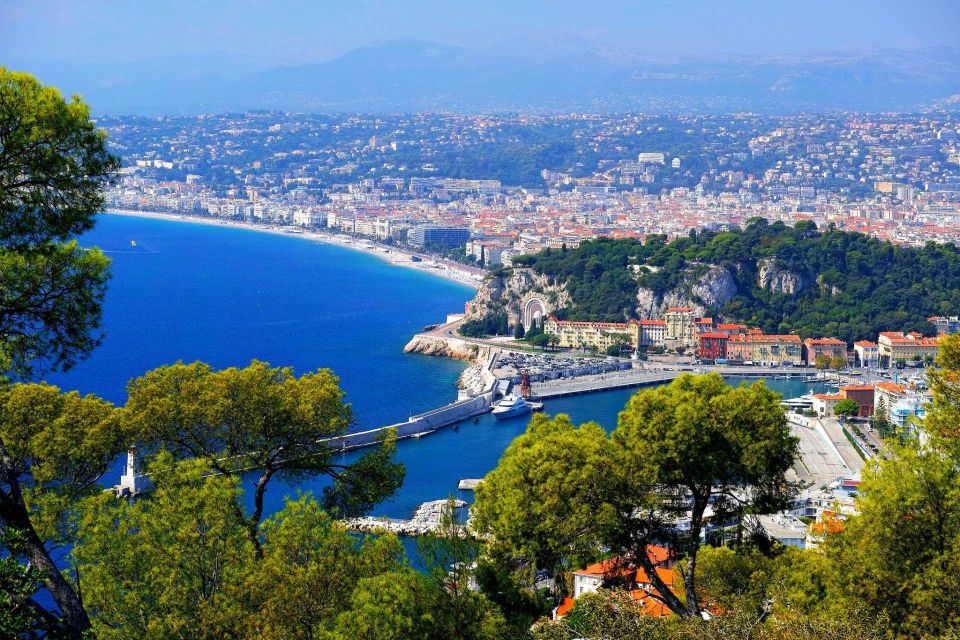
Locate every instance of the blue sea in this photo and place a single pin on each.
(186, 291)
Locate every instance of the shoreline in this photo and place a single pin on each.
(397, 257)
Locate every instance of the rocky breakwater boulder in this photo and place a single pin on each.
(446, 347)
(773, 278)
(513, 290)
(474, 380)
(705, 289)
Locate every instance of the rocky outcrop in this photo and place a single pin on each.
(706, 292)
(510, 290)
(446, 347)
(776, 280)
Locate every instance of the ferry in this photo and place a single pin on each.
(513, 405)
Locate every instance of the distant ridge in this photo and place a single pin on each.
(536, 75)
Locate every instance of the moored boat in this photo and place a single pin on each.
(512, 406)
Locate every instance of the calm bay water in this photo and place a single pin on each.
(226, 296)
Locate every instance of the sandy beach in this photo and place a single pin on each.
(434, 266)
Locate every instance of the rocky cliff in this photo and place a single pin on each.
(511, 289)
(447, 347)
(706, 290)
(777, 280)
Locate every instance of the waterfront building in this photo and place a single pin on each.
(680, 324)
(909, 412)
(487, 252)
(824, 403)
(652, 332)
(945, 325)
(863, 395)
(596, 335)
(887, 394)
(703, 325)
(712, 346)
(730, 329)
(867, 353)
(830, 347)
(766, 349)
(439, 236)
(896, 347)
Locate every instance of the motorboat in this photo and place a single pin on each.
(512, 406)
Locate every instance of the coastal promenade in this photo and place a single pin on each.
(447, 269)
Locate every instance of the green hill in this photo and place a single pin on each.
(779, 278)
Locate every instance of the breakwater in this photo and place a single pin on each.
(428, 518)
(418, 425)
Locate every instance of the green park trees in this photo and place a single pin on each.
(261, 419)
(179, 563)
(846, 408)
(878, 286)
(692, 444)
(54, 447)
(53, 165)
(822, 361)
(561, 495)
(900, 556)
(548, 495)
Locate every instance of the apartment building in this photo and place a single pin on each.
(598, 335)
(766, 349)
(894, 346)
(829, 347)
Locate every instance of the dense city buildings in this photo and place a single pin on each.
(440, 237)
(894, 176)
(945, 325)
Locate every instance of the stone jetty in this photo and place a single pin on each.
(426, 519)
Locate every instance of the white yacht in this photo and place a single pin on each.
(514, 405)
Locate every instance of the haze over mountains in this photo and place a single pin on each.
(545, 76)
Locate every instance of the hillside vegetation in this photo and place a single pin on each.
(846, 284)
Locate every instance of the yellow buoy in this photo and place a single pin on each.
(133, 243)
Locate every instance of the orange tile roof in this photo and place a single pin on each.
(892, 387)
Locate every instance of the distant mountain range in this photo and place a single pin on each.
(413, 75)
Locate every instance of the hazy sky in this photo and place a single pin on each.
(290, 31)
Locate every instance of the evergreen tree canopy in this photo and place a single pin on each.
(853, 285)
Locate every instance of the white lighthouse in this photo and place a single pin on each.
(132, 483)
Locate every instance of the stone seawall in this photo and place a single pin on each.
(419, 425)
